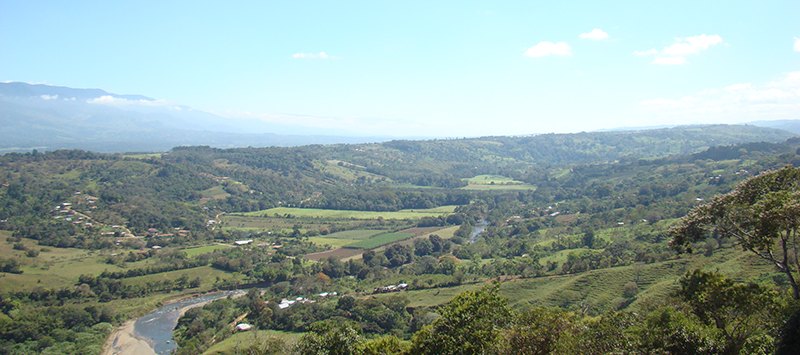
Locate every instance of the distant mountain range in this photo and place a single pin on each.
(48, 117)
(45, 117)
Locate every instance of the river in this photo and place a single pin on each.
(156, 327)
(477, 230)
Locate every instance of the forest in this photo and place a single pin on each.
(605, 242)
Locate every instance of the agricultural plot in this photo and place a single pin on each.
(380, 240)
(355, 234)
(343, 238)
(496, 182)
(342, 214)
(331, 242)
(341, 254)
(192, 252)
(215, 193)
(269, 223)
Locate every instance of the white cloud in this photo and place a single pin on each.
(595, 34)
(708, 91)
(669, 60)
(692, 45)
(739, 87)
(117, 101)
(49, 97)
(740, 102)
(544, 49)
(797, 44)
(791, 80)
(652, 51)
(321, 55)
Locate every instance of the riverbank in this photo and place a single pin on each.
(151, 334)
(123, 341)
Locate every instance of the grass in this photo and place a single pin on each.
(238, 341)
(380, 240)
(602, 289)
(441, 209)
(270, 223)
(495, 182)
(342, 214)
(332, 242)
(143, 156)
(207, 275)
(358, 234)
(216, 192)
(192, 252)
(53, 268)
(491, 180)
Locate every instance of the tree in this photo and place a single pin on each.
(744, 313)
(331, 336)
(470, 324)
(762, 214)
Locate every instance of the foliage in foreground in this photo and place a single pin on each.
(710, 314)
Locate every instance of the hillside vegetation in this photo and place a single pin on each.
(578, 224)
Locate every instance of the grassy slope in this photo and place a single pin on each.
(599, 288)
(246, 339)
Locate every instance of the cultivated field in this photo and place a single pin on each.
(496, 182)
(342, 214)
(380, 240)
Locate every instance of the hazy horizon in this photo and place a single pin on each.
(449, 69)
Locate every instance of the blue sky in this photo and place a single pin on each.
(447, 69)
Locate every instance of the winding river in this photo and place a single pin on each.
(156, 327)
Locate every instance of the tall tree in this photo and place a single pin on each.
(762, 214)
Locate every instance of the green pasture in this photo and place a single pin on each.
(357, 234)
(142, 156)
(216, 192)
(495, 182)
(192, 252)
(379, 240)
(53, 267)
(602, 289)
(239, 341)
(341, 214)
(440, 210)
(269, 223)
(332, 242)
(491, 180)
(207, 275)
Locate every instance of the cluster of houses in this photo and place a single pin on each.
(391, 288)
(286, 303)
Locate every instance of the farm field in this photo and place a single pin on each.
(192, 252)
(343, 214)
(357, 234)
(341, 254)
(331, 242)
(495, 182)
(380, 240)
(262, 223)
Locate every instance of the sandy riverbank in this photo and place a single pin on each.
(123, 342)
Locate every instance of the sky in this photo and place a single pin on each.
(423, 68)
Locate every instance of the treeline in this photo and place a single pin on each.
(155, 269)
